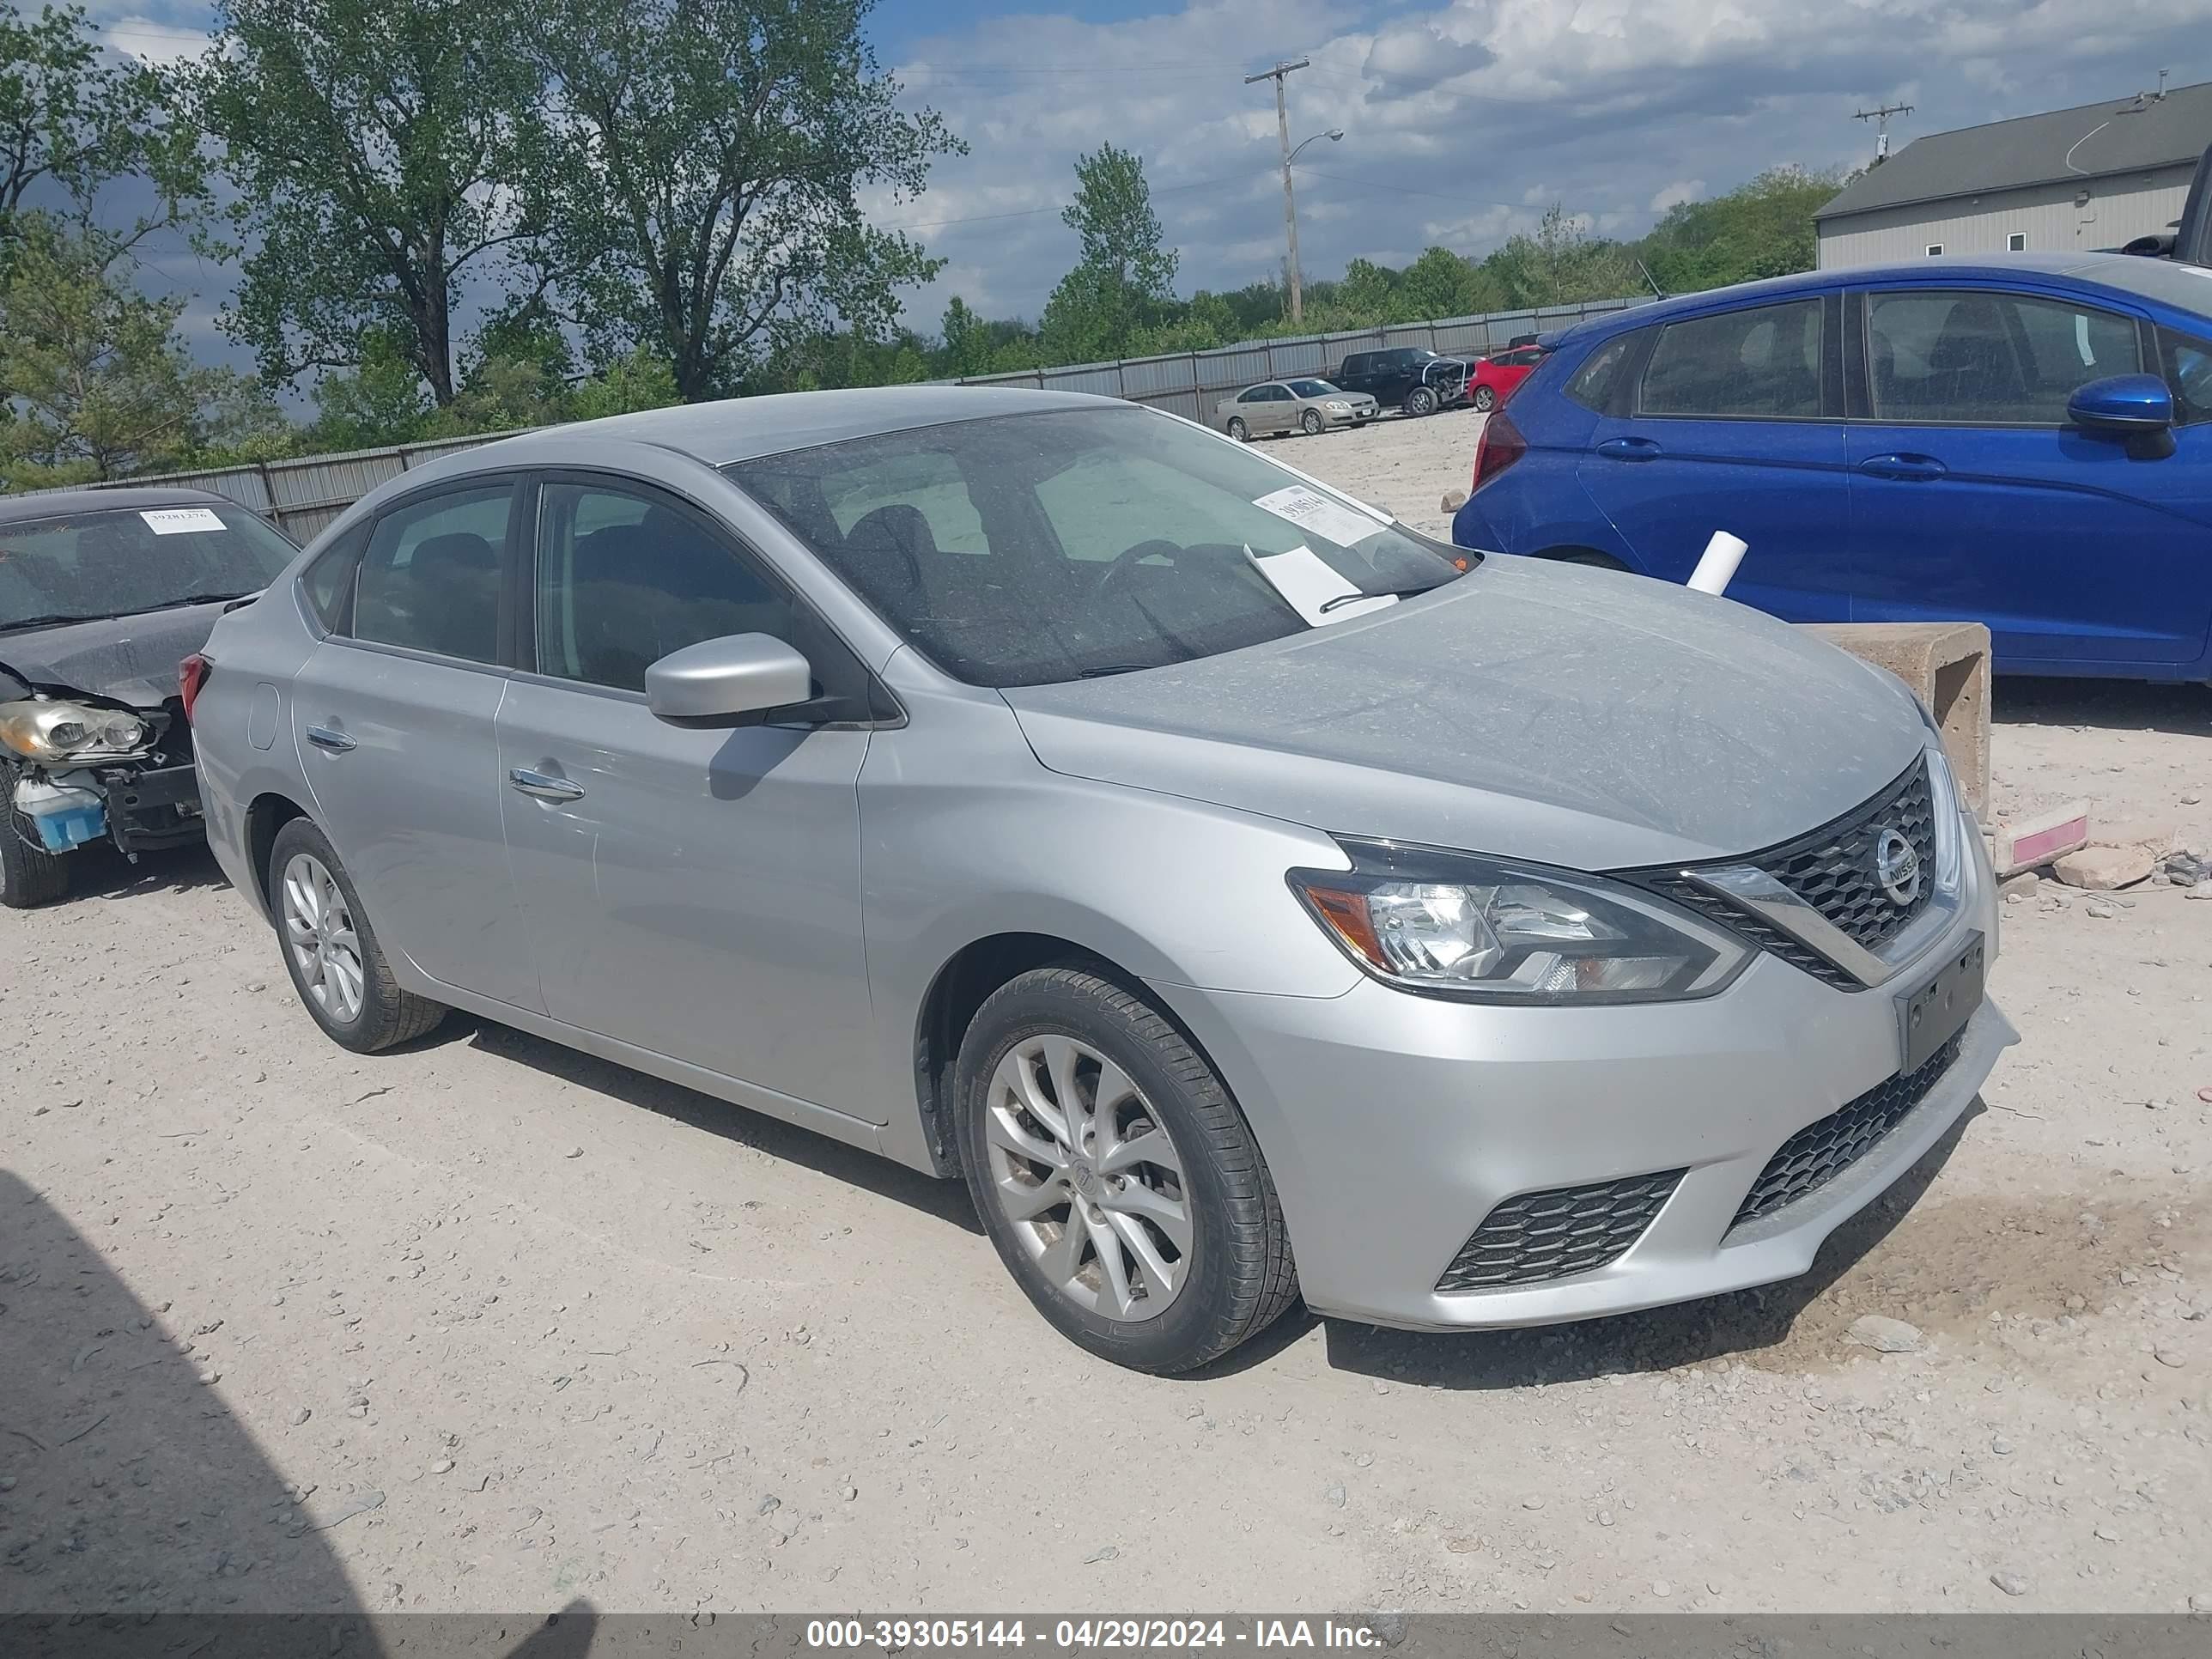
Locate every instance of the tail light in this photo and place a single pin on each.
(1500, 445)
(192, 674)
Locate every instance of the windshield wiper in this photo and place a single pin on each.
(57, 619)
(62, 618)
(188, 599)
(1329, 605)
(1106, 669)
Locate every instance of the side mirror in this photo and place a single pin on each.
(721, 682)
(2122, 406)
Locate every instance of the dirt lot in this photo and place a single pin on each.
(488, 1325)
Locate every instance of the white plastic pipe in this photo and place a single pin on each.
(1716, 565)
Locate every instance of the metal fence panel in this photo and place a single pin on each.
(1104, 379)
(1142, 376)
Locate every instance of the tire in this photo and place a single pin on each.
(1486, 399)
(379, 1013)
(1234, 1279)
(1238, 430)
(1421, 400)
(1312, 423)
(30, 875)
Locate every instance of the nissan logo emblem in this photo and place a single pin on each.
(1896, 867)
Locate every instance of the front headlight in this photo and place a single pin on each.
(1340, 405)
(75, 734)
(1487, 930)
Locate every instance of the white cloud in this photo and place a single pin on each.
(1682, 190)
(154, 42)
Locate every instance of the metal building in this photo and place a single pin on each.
(2094, 177)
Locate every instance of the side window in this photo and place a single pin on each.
(1977, 358)
(1592, 386)
(430, 579)
(1355, 364)
(328, 582)
(2189, 371)
(1257, 394)
(1761, 362)
(918, 500)
(623, 580)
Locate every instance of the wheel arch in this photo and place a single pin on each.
(267, 813)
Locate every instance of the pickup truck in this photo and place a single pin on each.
(2190, 242)
(1411, 378)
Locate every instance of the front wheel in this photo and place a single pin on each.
(331, 952)
(1486, 399)
(30, 875)
(1312, 423)
(1421, 400)
(1238, 430)
(1118, 1181)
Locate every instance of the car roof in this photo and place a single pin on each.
(60, 503)
(2159, 281)
(746, 428)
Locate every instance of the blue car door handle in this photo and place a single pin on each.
(1913, 468)
(1629, 449)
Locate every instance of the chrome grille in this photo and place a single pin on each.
(1559, 1233)
(1820, 1152)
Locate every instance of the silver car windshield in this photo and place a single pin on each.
(1028, 550)
(84, 565)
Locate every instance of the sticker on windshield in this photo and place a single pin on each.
(180, 521)
(1311, 588)
(1318, 515)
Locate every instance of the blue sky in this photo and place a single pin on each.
(1463, 120)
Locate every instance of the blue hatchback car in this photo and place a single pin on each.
(2024, 441)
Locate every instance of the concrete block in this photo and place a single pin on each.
(1948, 666)
(2102, 869)
(2037, 841)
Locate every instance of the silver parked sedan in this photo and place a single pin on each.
(1250, 901)
(1304, 405)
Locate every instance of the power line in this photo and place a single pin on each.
(1055, 207)
(1408, 190)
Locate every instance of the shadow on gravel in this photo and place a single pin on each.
(2113, 705)
(1690, 1333)
(101, 873)
(944, 1200)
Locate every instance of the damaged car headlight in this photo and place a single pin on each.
(60, 732)
(1483, 930)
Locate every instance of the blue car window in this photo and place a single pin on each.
(1975, 357)
(2189, 371)
(1763, 363)
(1593, 383)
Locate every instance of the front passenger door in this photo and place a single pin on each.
(693, 892)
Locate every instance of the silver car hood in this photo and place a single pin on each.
(1540, 711)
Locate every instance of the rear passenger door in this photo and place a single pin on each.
(1736, 424)
(393, 715)
(1974, 499)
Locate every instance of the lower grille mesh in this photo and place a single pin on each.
(1556, 1234)
(1820, 1152)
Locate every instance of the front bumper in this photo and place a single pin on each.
(1393, 1125)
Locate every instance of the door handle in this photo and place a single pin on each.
(1916, 469)
(324, 736)
(1629, 449)
(540, 787)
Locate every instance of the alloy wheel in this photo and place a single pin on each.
(319, 932)
(1086, 1172)
(1485, 397)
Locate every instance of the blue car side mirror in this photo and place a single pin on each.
(2122, 406)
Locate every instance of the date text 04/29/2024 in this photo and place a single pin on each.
(1090, 1634)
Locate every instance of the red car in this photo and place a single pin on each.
(1492, 381)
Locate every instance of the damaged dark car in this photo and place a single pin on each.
(103, 593)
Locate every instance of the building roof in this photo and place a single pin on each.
(2118, 135)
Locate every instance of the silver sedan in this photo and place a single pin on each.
(1302, 405)
(1252, 900)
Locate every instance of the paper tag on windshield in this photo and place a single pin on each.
(1316, 592)
(180, 521)
(1319, 515)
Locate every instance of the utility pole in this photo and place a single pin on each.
(1290, 201)
(1880, 118)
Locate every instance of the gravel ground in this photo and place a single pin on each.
(488, 1325)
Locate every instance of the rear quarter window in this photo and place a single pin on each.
(1593, 384)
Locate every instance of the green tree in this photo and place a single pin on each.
(1560, 264)
(1125, 278)
(1439, 284)
(73, 120)
(967, 338)
(102, 387)
(640, 380)
(379, 149)
(701, 170)
(381, 400)
(1763, 227)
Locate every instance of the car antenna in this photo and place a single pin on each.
(1658, 292)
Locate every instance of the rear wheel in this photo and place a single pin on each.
(1421, 400)
(1486, 399)
(1120, 1183)
(1311, 421)
(330, 950)
(30, 875)
(1238, 430)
